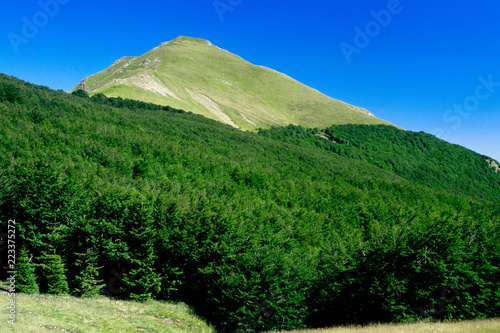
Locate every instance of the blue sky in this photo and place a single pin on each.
(429, 66)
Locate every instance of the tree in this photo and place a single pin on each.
(10, 93)
(26, 277)
(53, 274)
(100, 99)
(87, 282)
(80, 93)
(142, 282)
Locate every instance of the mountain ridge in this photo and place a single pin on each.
(195, 75)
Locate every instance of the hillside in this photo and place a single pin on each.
(137, 201)
(195, 75)
(48, 313)
(418, 157)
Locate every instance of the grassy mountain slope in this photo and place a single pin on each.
(256, 234)
(194, 75)
(47, 313)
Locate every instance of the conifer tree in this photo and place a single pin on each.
(142, 281)
(53, 274)
(26, 277)
(87, 282)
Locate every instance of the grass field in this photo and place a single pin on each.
(479, 326)
(44, 313)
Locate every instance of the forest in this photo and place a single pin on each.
(282, 229)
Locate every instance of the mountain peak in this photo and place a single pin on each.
(186, 74)
(185, 39)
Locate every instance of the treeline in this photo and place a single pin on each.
(121, 103)
(255, 233)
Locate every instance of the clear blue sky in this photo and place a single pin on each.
(431, 66)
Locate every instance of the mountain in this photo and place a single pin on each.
(195, 75)
(281, 229)
(416, 156)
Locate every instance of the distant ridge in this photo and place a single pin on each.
(195, 75)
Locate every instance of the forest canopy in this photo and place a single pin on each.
(282, 229)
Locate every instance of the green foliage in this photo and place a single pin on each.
(418, 157)
(87, 282)
(40, 198)
(256, 233)
(26, 278)
(52, 274)
(142, 281)
(10, 93)
(80, 93)
(119, 102)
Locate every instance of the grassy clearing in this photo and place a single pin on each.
(479, 326)
(44, 313)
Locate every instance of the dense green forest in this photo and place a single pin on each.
(133, 200)
(418, 157)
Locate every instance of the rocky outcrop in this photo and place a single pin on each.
(211, 106)
(145, 81)
(82, 86)
(494, 165)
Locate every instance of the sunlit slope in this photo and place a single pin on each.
(195, 75)
(49, 313)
